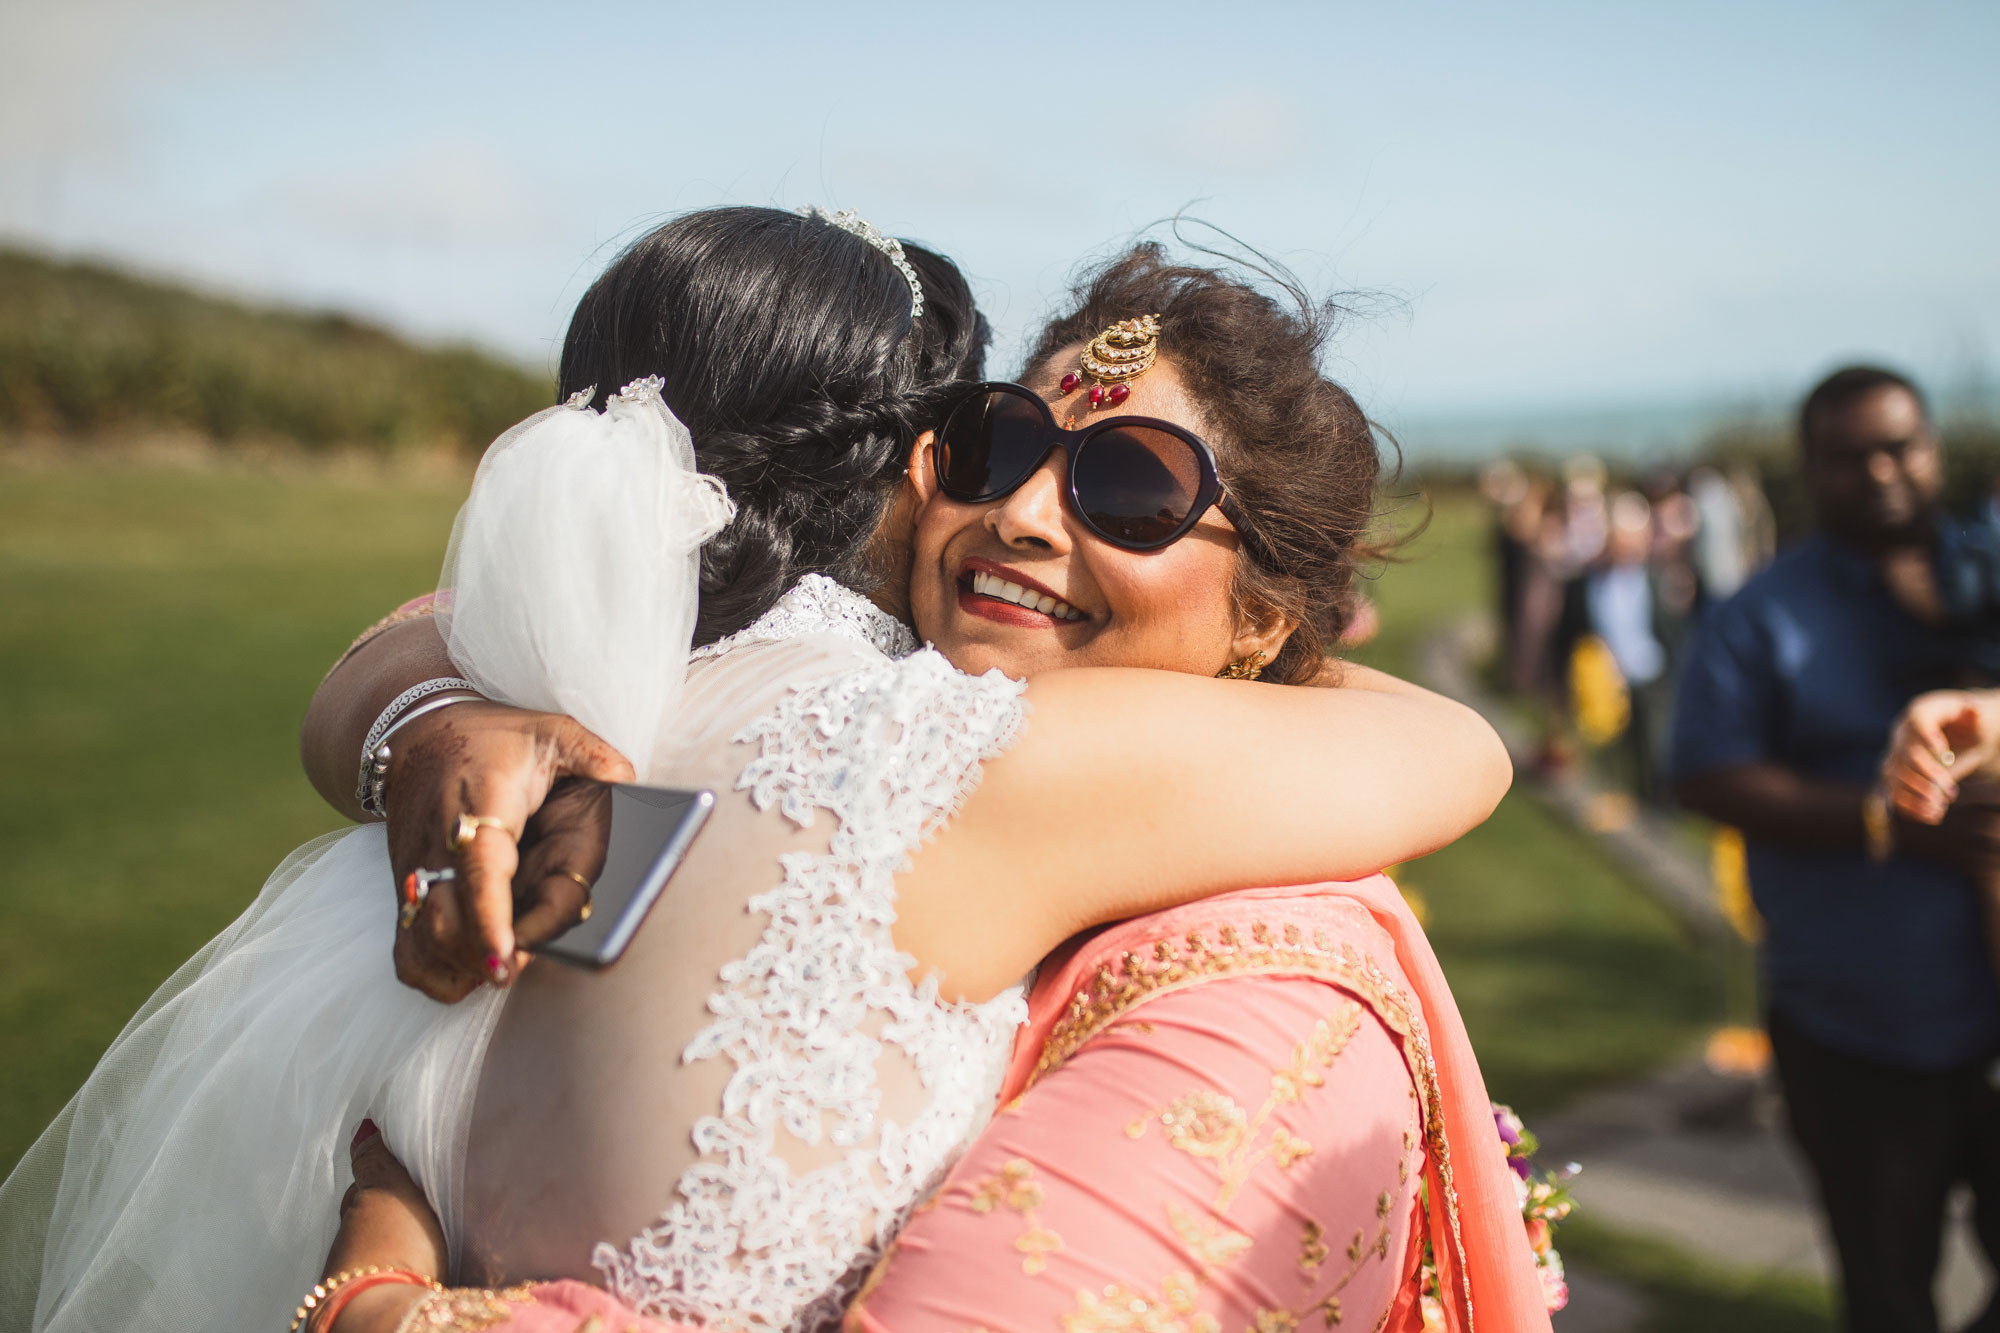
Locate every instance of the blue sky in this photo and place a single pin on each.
(1552, 203)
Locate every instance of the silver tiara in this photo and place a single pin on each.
(853, 224)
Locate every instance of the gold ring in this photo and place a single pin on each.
(583, 915)
(468, 827)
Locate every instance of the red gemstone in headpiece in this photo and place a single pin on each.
(1097, 395)
(1119, 393)
(1070, 381)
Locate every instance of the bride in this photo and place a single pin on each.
(764, 1061)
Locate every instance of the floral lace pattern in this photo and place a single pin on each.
(890, 749)
(818, 605)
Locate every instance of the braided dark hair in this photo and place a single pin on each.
(787, 348)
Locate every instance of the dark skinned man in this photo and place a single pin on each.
(1882, 1007)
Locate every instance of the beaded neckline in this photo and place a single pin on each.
(817, 604)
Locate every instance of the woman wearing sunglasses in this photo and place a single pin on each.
(1047, 530)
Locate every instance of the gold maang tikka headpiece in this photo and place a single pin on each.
(1114, 358)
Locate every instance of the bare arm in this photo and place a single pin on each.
(1131, 791)
(353, 694)
(1772, 802)
(1337, 674)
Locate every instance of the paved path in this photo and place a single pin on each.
(1689, 1156)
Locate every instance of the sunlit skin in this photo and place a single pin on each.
(1169, 608)
(1874, 468)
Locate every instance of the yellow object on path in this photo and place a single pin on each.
(1597, 692)
(1745, 1052)
(1730, 869)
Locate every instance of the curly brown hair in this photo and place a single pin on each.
(1295, 450)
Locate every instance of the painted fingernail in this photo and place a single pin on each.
(365, 1132)
(496, 967)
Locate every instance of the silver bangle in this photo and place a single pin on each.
(376, 771)
(368, 785)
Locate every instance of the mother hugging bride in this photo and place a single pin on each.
(730, 1126)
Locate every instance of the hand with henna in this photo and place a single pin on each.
(385, 1222)
(538, 774)
(525, 779)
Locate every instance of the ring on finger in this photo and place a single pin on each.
(468, 826)
(417, 892)
(584, 915)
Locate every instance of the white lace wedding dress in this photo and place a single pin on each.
(727, 1125)
(742, 1112)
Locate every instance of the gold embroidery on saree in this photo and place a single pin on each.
(1016, 1189)
(1212, 1247)
(1312, 1249)
(1210, 1125)
(1133, 978)
(465, 1309)
(1120, 1310)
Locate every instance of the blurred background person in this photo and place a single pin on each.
(1735, 534)
(1883, 1013)
(1621, 598)
(1721, 546)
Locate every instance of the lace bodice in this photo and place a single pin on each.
(845, 1089)
(818, 605)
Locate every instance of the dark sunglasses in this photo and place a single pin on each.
(1138, 482)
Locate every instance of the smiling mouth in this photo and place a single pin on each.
(976, 585)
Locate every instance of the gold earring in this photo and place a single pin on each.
(1243, 668)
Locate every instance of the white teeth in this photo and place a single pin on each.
(992, 585)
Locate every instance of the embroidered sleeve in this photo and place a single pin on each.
(1241, 1155)
(541, 1307)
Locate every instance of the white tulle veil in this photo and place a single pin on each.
(194, 1180)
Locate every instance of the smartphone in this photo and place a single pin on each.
(648, 831)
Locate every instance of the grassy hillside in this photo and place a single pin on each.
(87, 351)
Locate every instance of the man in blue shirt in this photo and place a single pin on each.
(1883, 1010)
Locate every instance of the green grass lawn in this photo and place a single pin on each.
(1569, 976)
(163, 631)
(1683, 1293)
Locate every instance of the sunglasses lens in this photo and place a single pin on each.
(1137, 485)
(989, 444)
